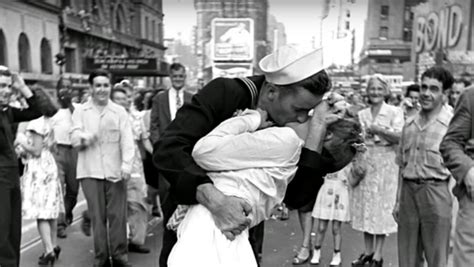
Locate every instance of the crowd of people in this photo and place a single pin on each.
(101, 143)
(224, 158)
(407, 181)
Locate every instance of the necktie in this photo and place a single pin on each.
(178, 101)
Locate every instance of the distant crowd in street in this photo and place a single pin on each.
(215, 165)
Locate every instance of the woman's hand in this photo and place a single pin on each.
(264, 122)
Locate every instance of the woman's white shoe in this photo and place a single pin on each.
(336, 259)
(316, 256)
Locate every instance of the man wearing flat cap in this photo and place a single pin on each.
(293, 84)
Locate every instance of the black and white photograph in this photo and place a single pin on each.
(237, 133)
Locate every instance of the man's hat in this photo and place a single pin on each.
(290, 64)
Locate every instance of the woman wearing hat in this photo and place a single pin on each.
(374, 198)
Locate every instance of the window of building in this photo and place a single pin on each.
(120, 19)
(145, 34)
(24, 53)
(70, 54)
(348, 25)
(153, 30)
(383, 34)
(407, 34)
(160, 32)
(348, 13)
(46, 57)
(3, 49)
(150, 34)
(384, 11)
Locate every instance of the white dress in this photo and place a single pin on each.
(254, 165)
(372, 201)
(332, 202)
(41, 190)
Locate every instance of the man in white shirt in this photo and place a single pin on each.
(65, 155)
(103, 134)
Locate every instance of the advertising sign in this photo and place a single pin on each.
(233, 39)
(231, 70)
(442, 34)
(124, 66)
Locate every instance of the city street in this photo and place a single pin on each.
(281, 242)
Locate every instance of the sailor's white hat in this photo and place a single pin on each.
(291, 63)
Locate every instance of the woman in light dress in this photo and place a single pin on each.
(374, 198)
(42, 198)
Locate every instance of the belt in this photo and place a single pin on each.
(426, 181)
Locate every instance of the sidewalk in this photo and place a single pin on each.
(282, 240)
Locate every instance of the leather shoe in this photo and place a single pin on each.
(62, 232)
(138, 249)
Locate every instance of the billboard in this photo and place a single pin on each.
(231, 70)
(232, 39)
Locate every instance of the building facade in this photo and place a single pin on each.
(443, 34)
(276, 34)
(111, 29)
(388, 37)
(29, 38)
(207, 10)
(341, 31)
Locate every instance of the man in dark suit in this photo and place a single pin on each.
(166, 104)
(163, 111)
(457, 149)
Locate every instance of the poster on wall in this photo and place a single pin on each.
(232, 70)
(233, 39)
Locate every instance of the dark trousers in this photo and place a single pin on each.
(170, 238)
(425, 224)
(107, 204)
(66, 159)
(10, 217)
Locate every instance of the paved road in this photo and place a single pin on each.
(282, 239)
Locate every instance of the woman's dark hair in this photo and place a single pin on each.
(96, 73)
(348, 129)
(412, 88)
(138, 101)
(5, 72)
(47, 106)
(463, 81)
(440, 74)
(317, 84)
(149, 104)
